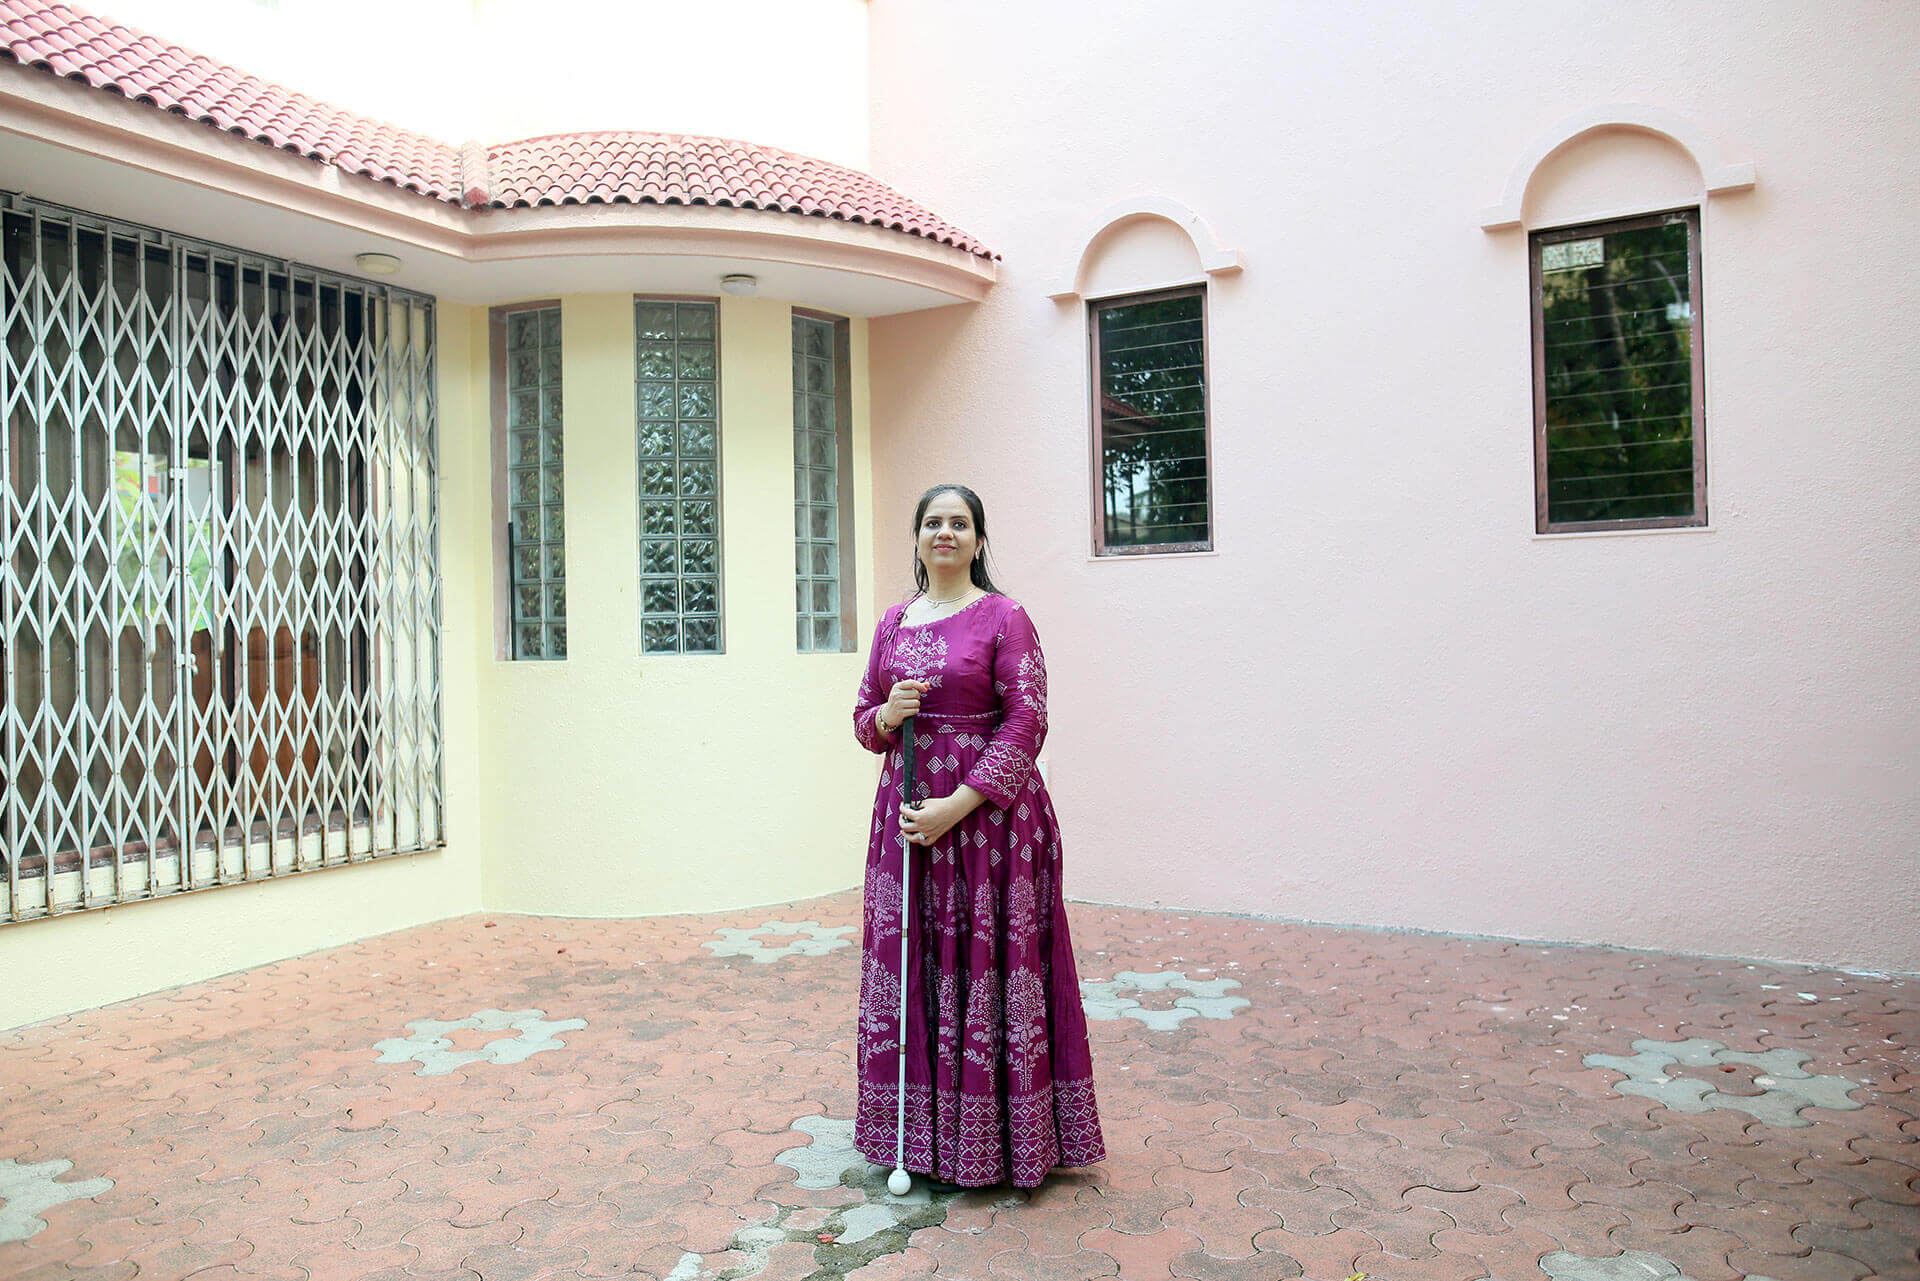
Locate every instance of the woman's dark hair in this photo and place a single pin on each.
(978, 569)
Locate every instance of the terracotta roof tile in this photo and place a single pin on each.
(561, 169)
(601, 168)
(81, 46)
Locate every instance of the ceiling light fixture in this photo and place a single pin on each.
(377, 264)
(740, 285)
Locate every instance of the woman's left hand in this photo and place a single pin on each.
(933, 820)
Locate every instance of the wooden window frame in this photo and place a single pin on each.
(1536, 240)
(502, 507)
(843, 439)
(1096, 496)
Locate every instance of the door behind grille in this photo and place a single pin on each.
(217, 546)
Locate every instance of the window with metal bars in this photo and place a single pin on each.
(219, 591)
(822, 522)
(1152, 467)
(528, 410)
(1617, 379)
(677, 435)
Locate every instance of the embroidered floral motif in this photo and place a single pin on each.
(883, 904)
(1031, 684)
(1022, 909)
(983, 1022)
(921, 653)
(949, 1036)
(985, 918)
(879, 1011)
(1026, 1024)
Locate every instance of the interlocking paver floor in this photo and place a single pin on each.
(519, 1097)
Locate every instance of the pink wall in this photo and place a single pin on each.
(1386, 700)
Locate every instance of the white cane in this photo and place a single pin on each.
(900, 1182)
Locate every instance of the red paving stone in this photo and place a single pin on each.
(1400, 1105)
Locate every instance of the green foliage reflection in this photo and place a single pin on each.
(1153, 437)
(1617, 327)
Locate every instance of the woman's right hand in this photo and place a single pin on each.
(904, 701)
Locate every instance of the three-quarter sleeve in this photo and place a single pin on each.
(873, 691)
(1020, 679)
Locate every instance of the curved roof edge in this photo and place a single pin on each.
(586, 168)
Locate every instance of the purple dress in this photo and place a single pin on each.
(999, 1076)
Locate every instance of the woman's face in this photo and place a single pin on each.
(947, 540)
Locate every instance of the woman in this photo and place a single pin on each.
(999, 1077)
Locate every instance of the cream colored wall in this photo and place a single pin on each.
(610, 784)
(619, 784)
(94, 958)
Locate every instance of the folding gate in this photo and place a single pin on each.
(219, 583)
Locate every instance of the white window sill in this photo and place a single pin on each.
(1104, 560)
(1623, 533)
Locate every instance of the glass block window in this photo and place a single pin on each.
(677, 417)
(536, 494)
(821, 431)
(1617, 376)
(1150, 415)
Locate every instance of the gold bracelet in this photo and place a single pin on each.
(880, 723)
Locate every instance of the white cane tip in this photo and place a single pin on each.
(899, 1183)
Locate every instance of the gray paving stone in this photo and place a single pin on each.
(1206, 998)
(1787, 1087)
(819, 940)
(426, 1042)
(1630, 1265)
(28, 1189)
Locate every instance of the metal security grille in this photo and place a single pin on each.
(677, 407)
(536, 488)
(819, 361)
(1617, 376)
(219, 597)
(1150, 387)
